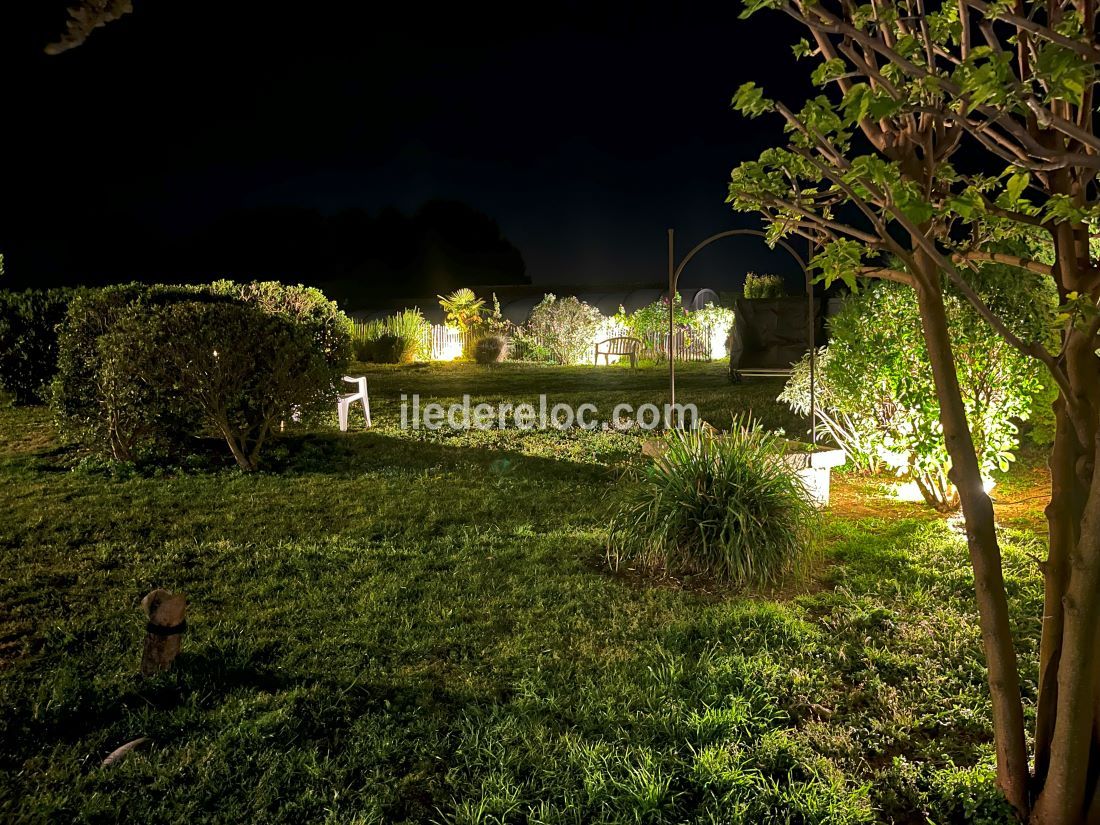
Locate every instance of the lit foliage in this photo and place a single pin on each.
(652, 319)
(877, 399)
(764, 286)
(721, 504)
(467, 313)
(650, 323)
(562, 329)
(868, 172)
(401, 338)
(304, 306)
(464, 310)
(713, 320)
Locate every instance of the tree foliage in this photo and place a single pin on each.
(877, 399)
(85, 17)
(871, 172)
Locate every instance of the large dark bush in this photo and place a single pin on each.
(232, 369)
(29, 322)
(306, 307)
(109, 418)
(142, 370)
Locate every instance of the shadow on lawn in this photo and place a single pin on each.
(356, 453)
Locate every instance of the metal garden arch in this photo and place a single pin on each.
(674, 272)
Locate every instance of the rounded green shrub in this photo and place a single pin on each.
(875, 396)
(563, 329)
(107, 418)
(230, 369)
(722, 504)
(306, 307)
(143, 370)
(764, 286)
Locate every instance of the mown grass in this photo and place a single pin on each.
(400, 627)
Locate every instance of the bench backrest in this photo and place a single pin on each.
(619, 346)
(360, 382)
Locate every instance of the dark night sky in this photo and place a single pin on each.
(584, 129)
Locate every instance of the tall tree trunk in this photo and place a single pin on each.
(981, 535)
(1063, 514)
(1070, 778)
(1067, 746)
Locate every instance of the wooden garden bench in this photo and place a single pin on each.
(629, 347)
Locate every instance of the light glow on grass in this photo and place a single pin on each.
(908, 491)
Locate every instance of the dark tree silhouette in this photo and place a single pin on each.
(86, 16)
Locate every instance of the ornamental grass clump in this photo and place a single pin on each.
(398, 339)
(723, 504)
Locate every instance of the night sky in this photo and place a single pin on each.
(584, 129)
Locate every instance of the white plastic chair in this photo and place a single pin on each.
(344, 402)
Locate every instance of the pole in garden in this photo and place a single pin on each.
(671, 317)
(674, 271)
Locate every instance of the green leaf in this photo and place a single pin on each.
(1017, 182)
(750, 101)
(751, 7)
(828, 71)
(840, 260)
(802, 48)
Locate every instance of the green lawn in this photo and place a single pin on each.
(398, 628)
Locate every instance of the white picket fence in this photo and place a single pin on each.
(447, 344)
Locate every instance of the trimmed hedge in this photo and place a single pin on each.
(28, 341)
(145, 369)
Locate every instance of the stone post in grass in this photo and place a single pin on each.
(165, 612)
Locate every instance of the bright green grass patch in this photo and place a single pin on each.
(394, 629)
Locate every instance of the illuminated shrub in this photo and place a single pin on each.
(398, 339)
(876, 396)
(722, 504)
(652, 320)
(565, 329)
(491, 348)
(650, 323)
(466, 313)
(305, 307)
(764, 286)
